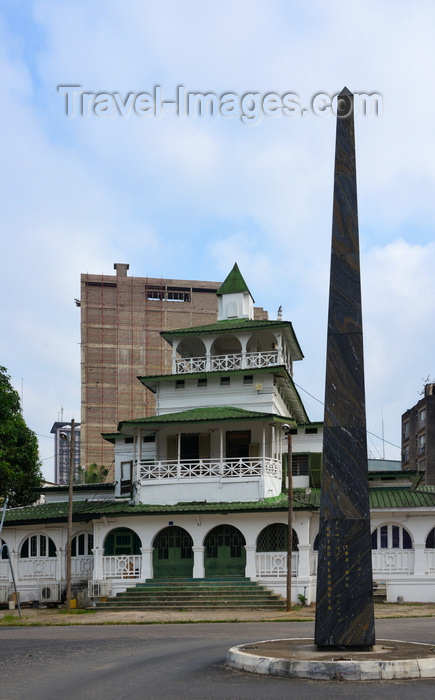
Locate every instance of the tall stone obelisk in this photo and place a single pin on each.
(344, 612)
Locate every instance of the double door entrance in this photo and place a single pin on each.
(224, 553)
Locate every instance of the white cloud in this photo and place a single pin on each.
(187, 197)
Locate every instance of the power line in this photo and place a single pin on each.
(399, 447)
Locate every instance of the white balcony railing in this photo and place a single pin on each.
(274, 564)
(37, 567)
(206, 468)
(5, 570)
(226, 362)
(387, 561)
(122, 566)
(82, 567)
(393, 561)
(430, 561)
(215, 363)
(186, 365)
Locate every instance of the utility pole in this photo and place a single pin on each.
(70, 512)
(290, 518)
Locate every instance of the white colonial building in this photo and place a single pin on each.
(200, 488)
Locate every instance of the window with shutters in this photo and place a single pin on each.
(192, 446)
(237, 443)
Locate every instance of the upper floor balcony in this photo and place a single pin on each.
(242, 349)
(214, 469)
(231, 361)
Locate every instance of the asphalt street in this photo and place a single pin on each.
(174, 662)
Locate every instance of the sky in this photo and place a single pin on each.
(128, 178)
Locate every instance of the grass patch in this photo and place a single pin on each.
(77, 611)
(6, 619)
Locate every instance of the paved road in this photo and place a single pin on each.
(175, 662)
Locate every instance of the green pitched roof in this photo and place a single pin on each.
(397, 497)
(303, 499)
(232, 324)
(207, 413)
(93, 510)
(233, 283)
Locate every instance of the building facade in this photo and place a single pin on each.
(121, 321)
(200, 485)
(418, 436)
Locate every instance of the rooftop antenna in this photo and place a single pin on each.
(425, 382)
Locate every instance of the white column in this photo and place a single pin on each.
(250, 570)
(147, 563)
(208, 343)
(14, 558)
(60, 565)
(419, 560)
(98, 563)
(280, 355)
(198, 562)
(244, 342)
(304, 561)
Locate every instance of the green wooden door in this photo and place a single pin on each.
(225, 553)
(173, 555)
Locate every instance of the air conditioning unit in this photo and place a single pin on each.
(98, 589)
(49, 593)
(4, 591)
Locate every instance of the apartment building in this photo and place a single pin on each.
(418, 436)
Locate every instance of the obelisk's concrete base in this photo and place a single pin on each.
(299, 658)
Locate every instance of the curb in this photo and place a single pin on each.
(340, 670)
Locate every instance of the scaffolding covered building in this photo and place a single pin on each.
(121, 321)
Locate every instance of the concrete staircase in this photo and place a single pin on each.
(195, 594)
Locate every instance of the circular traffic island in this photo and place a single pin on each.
(300, 658)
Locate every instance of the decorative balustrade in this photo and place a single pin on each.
(249, 360)
(430, 561)
(393, 561)
(389, 561)
(37, 567)
(82, 567)
(256, 360)
(186, 365)
(226, 362)
(5, 570)
(274, 564)
(207, 468)
(122, 566)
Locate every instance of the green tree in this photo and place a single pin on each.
(93, 474)
(20, 468)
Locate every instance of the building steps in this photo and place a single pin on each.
(194, 594)
(380, 591)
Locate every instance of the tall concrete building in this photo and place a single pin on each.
(62, 451)
(418, 436)
(121, 321)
